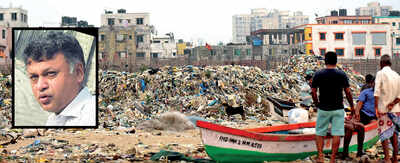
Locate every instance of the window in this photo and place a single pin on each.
(120, 37)
(359, 38)
(154, 55)
(120, 20)
(14, 16)
(398, 41)
(322, 35)
(339, 51)
(140, 55)
(322, 51)
(3, 34)
(25, 18)
(186, 51)
(156, 41)
(22, 17)
(248, 51)
(377, 51)
(394, 24)
(139, 38)
(2, 53)
(379, 38)
(110, 21)
(102, 37)
(347, 21)
(1, 16)
(359, 51)
(339, 36)
(139, 21)
(129, 20)
(130, 37)
(122, 55)
(334, 22)
(237, 52)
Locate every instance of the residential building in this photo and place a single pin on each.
(117, 46)
(121, 18)
(343, 18)
(374, 9)
(349, 41)
(13, 17)
(278, 41)
(163, 46)
(10, 17)
(244, 24)
(143, 30)
(183, 48)
(67, 21)
(394, 23)
(5, 42)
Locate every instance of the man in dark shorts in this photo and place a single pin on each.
(330, 82)
(363, 115)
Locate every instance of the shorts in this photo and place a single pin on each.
(365, 119)
(335, 118)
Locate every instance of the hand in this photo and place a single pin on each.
(377, 113)
(357, 116)
(390, 106)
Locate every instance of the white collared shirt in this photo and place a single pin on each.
(80, 112)
(387, 88)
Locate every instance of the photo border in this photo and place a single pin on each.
(93, 31)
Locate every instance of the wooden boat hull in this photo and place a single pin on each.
(225, 144)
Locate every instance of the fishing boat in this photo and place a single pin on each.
(272, 143)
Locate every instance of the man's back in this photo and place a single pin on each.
(330, 83)
(387, 88)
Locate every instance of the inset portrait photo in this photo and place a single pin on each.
(54, 78)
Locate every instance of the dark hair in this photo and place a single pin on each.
(54, 42)
(330, 58)
(369, 78)
(385, 60)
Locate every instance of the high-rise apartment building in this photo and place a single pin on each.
(244, 24)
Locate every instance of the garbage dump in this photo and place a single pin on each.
(133, 108)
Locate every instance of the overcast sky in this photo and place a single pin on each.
(191, 20)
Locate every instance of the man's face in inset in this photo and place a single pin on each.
(53, 86)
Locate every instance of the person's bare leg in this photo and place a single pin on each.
(360, 140)
(319, 140)
(394, 141)
(335, 147)
(347, 138)
(385, 145)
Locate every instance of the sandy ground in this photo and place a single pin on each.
(144, 142)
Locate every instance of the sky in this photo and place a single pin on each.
(190, 20)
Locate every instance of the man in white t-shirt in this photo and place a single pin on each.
(56, 69)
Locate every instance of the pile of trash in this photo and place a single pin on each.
(144, 100)
(5, 101)
(129, 98)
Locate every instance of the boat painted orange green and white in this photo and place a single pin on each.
(224, 144)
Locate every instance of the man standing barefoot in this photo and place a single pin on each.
(387, 97)
(330, 82)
